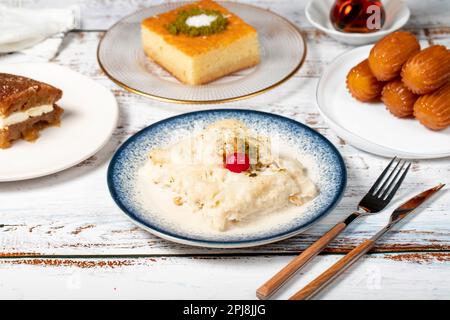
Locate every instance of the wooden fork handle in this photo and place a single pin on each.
(272, 285)
(329, 275)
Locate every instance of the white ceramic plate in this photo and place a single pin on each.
(318, 14)
(324, 164)
(90, 116)
(122, 58)
(369, 126)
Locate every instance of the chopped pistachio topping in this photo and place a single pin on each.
(180, 26)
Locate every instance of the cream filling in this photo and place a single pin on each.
(21, 116)
(200, 20)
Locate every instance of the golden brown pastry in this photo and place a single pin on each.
(399, 100)
(433, 110)
(214, 44)
(362, 84)
(390, 53)
(26, 107)
(427, 70)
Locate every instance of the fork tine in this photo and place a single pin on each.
(388, 179)
(397, 185)
(382, 194)
(380, 178)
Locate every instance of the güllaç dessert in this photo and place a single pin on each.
(200, 42)
(228, 174)
(26, 107)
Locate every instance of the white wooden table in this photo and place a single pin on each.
(62, 236)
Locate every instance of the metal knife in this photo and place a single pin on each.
(339, 267)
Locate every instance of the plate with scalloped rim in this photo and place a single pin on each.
(322, 160)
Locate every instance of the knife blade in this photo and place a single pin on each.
(339, 267)
(409, 206)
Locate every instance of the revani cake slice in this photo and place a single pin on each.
(26, 107)
(200, 42)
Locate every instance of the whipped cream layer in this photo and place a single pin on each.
(21, 116)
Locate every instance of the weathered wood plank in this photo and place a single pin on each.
(380, 276)
(72, 213)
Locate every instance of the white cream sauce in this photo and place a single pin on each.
(159, 202)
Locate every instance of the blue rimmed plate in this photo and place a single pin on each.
(323, 162)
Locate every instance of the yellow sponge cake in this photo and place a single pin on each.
(200, 42)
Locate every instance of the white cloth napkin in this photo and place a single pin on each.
(34, 34)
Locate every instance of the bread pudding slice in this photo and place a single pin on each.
(26, 107)
(201, 52)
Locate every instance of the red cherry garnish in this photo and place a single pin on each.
(237, 162)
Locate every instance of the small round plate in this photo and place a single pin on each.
(370, 126)
(323, 162)
(318, 14)
(89, 119)
(122, 58)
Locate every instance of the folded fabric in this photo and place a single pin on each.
(22, 28)
(35, 32)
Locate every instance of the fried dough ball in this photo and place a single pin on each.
(433, 110)
(390, 53)
(399, 100)
(427, 70)
(362, 84)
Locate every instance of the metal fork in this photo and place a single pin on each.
(378, 197)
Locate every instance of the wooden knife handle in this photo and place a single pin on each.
(329, 275)
(272, 285)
